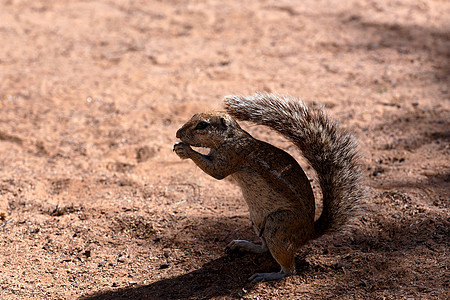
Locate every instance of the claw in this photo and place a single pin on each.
(232, 248)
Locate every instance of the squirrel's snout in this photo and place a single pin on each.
(178, 135)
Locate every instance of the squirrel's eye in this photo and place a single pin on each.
(202, 125)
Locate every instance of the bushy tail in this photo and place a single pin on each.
(331, 151)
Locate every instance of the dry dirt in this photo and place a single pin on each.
(95, 205)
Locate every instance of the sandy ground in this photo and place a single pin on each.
(94, 204)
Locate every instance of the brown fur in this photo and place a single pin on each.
(277, 191)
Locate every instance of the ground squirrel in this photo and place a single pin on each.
(277, 191)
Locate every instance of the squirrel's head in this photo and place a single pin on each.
(209, 130)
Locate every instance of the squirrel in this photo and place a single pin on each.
(277, 191)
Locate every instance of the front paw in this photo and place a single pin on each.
(182, 150)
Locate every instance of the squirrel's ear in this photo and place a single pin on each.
(223, 122)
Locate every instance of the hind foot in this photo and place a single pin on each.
(245, 246)
(261, 277)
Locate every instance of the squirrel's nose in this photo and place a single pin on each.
(179, 133)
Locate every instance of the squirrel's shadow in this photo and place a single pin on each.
(225, 276)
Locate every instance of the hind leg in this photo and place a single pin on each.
(283, 233)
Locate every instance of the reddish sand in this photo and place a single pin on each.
(94, 203)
